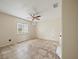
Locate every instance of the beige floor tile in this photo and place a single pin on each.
(33, 49)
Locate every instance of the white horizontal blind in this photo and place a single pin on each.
(22, 28)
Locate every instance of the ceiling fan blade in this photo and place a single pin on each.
(39, 16)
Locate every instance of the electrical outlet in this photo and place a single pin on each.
(10, 40)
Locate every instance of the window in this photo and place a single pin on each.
(22, 28)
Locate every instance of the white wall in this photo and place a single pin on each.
(70, 37)
(50, 28)
(8, 30)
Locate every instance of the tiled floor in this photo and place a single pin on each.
(32, 49)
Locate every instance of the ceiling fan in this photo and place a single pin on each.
(35, 15)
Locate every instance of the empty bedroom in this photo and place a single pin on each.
(31, 29)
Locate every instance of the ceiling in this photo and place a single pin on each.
(22, 8)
